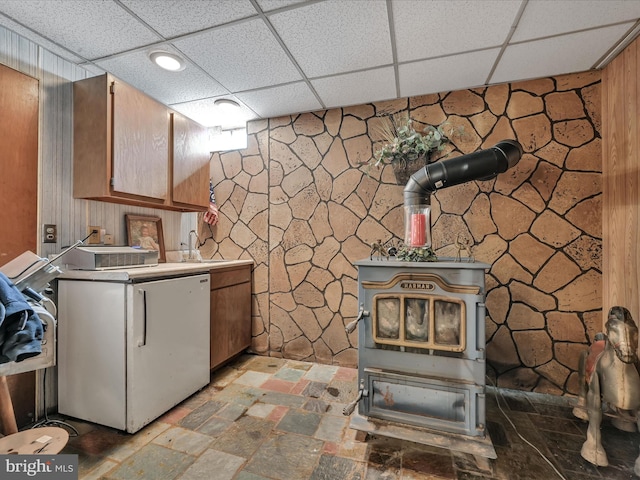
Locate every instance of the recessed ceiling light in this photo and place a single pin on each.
(168, 61)
(228, 112)
(226, 102)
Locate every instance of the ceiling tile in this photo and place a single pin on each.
(356, 88)
(336, 36)
(288, 56)
(543, 18)
(240, 57)
(168, 87)
(557, 55)
(283, 100)
(268, 5)
(443, 27)
(91, 28)
(455, 72)
(208, 114)
(176, 18)
(52, 47)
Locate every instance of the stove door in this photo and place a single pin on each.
(424, 402)
(428, 322)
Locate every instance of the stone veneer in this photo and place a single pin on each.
(299, 202)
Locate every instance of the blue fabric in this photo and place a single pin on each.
(21, 329)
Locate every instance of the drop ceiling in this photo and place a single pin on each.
(278, 57)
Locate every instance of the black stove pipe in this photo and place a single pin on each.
(481, 165)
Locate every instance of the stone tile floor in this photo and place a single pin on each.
(267, 418)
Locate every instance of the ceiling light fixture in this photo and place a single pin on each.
(226, 103)
(168, 61)
(228, 113)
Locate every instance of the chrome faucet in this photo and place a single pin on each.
(191, 245)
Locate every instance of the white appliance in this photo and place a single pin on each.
(104, 258)
(128, 352)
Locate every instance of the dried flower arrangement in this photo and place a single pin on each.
(401, 142)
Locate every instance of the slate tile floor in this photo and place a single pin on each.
(265, 418)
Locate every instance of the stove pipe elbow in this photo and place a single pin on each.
(480, 165)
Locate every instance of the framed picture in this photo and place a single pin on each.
(146, 233)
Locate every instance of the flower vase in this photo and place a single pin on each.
(404, 168)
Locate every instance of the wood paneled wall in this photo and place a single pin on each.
(621, 181)
(55, 166)
(55, 190)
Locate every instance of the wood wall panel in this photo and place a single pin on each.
(621, 181)
(55, 190)
(55, 170)
(19, 200)
(19, 163)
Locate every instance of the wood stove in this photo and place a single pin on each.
(421, 353)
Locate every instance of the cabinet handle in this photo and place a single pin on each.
(143, 342)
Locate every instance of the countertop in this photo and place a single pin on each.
(143, 273)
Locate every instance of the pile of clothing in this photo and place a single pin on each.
(21, 329)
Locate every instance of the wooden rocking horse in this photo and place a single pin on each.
(610, 383)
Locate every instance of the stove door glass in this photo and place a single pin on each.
(388, 318)
(418, 321)
(448, 317)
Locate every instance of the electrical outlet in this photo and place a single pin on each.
(49, 233)
(95, 237)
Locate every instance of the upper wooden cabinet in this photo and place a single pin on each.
(190, 162)
(124, 149)
(140, 143)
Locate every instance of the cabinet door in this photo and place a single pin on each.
(230, 322)
(140, 143)
(167, 345)
(190, 162)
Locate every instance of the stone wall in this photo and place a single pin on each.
(300, 202)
